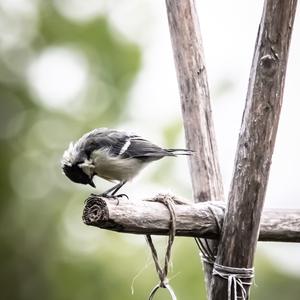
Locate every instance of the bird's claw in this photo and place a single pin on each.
(108, 196)
(98, 195)
(119, 196)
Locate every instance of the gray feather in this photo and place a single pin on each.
(99, 138)
(125, 145)
(144, 150)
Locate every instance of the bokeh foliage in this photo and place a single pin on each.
(46, 252)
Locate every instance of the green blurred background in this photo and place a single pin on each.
(60, 77)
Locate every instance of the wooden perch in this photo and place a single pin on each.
(192, 220)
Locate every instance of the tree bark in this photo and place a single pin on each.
(256, 141)
(203, 219)
(195, 103)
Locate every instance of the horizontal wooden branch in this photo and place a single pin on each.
(194, 220)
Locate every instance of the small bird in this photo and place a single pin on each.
(114, 155)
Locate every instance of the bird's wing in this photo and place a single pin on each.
(112, 140)
(142, 149)
(120, 143)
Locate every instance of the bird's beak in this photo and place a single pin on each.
(91, 183)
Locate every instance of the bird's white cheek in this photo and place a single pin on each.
(87, 167)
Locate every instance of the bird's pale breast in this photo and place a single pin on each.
(114, 168)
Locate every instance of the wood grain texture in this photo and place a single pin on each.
(195, 105)
(256, 140)
(202, 219)
(195, 101)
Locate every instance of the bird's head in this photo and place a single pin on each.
(77, 170)
(76, 173)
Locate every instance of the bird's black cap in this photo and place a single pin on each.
(75, 173)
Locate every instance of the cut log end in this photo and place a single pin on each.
(95, 211)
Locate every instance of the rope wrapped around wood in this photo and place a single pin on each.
(206, 252)
(237, 279)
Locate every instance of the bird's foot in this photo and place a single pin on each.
(119, 196)
(104, 195)
(110, 196)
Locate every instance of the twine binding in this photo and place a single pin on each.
(237, 279)
(163, 272)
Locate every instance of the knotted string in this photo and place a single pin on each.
(206, 252)
(237, 278)
(163, 272)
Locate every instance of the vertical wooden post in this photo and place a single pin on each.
(256, 141)
(195, 103)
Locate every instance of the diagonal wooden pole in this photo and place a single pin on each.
(256, 142)
(195, 99)
(195, 103)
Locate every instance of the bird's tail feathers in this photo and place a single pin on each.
(176, 152)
